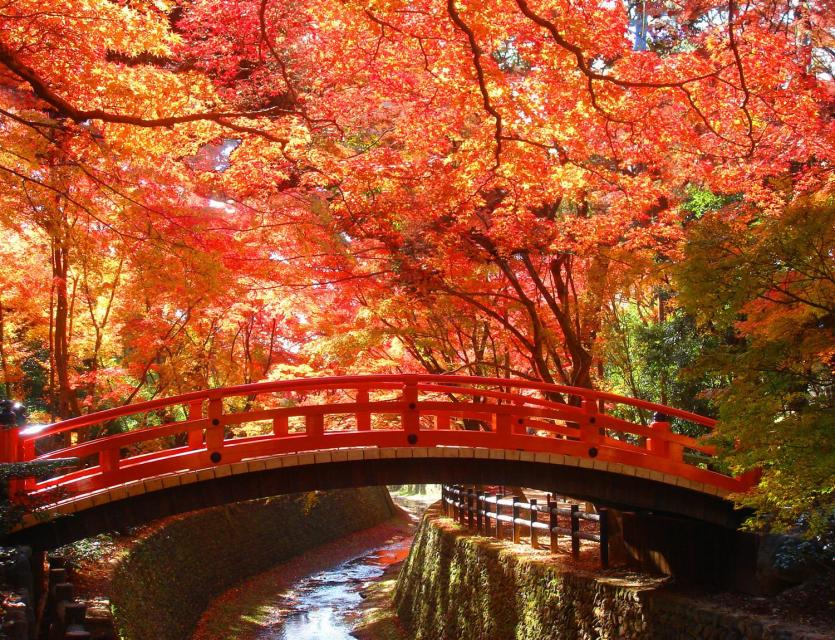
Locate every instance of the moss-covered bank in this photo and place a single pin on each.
(455, 586)
(161, 587)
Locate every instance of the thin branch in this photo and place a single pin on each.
(42, 91)
(478, 52)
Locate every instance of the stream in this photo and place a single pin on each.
(326, 605)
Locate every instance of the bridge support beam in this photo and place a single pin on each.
(224, 483)
(692, 551)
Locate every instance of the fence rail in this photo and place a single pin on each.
(476, 509)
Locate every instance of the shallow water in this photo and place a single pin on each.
(325, 605)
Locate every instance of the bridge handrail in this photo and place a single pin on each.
(424, 410)
(354, 382)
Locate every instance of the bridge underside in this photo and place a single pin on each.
(138, 503)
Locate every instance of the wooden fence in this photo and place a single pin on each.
(63, 618)
(476, 509)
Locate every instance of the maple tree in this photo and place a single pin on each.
(772, 299)
(206, 192)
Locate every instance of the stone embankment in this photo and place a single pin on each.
(166, 579)
(455, 585)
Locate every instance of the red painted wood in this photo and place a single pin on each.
(523, 420)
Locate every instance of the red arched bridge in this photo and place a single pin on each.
(220, 445)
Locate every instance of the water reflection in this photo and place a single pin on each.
(325, 605)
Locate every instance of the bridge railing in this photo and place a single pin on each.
(219, 426)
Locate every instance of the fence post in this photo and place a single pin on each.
(603, 512)
(516, 512)
(479, 517)
(454, 497)
(533, 523)
(499, 496)
(552, 524)
(470, 514)
(575, 529)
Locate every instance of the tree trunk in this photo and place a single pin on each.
(68, 405)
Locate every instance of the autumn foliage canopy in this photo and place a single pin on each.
(198, 193)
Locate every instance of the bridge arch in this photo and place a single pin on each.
(325, 433)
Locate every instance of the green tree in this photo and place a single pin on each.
(763, 282)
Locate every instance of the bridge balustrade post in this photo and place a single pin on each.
(518, 422)
(11, 439)
(195, 436)
(502, 428)
(603, 512)
(314, 425)
(411, 415)
(590, 432)
(363, 410)
(479, 516)
(11, 453)
(552, 524)
(109, 460)
(575, 529)
(442, 422)
(28, 447)
(517, 512)
(470, 514)
(281, 425)
(659, 445)
(534, 514)
(499, 496)
(215, 430)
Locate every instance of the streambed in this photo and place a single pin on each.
(326, 604)
(320, 594)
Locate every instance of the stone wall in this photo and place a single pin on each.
(455, 585)
(162, 586)
(17, 592)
